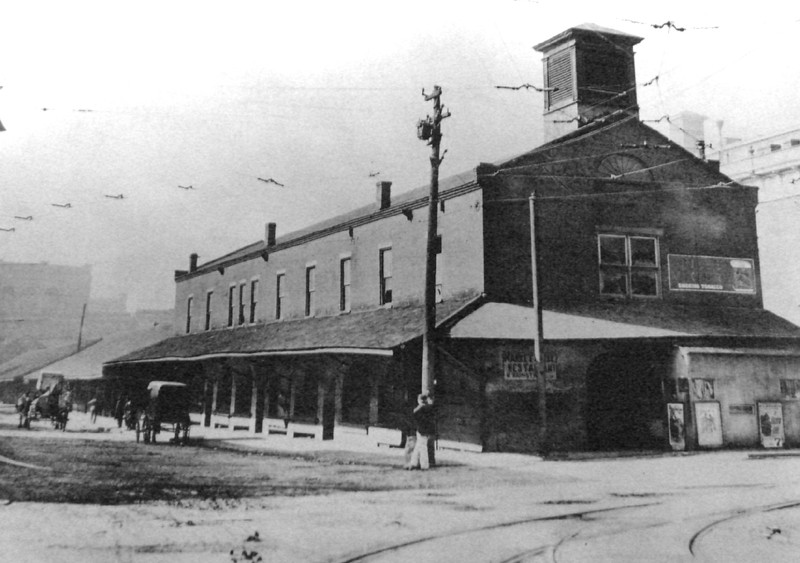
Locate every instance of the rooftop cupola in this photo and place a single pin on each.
(588, 74)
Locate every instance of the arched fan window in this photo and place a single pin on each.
(619, 166)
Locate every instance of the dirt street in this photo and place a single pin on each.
(92, 494)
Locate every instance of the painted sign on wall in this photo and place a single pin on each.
(711, 273)
(709, 423)
(770, 424)
(518, 365)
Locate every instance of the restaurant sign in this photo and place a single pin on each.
(521, 365)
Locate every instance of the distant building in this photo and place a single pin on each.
(647, 263)
(773, 164)
(42, 301)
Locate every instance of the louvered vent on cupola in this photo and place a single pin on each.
(559, 76)
(588, 75)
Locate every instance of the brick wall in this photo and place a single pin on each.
(461, 227)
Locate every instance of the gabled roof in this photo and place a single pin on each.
(448, 187)
(373, 331)
(575, 155)
(412, 199)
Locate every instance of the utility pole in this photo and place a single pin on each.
(80, 330)
(429, 129)
(537, 343)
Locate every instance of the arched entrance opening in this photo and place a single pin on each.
(625, 399)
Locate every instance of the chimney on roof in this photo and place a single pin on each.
(384, 194)
(270, 234)
(588, 75)
(192, 262)
(687, 129)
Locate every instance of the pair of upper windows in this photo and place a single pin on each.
(629, 265)
(310, 305)
(238, 311)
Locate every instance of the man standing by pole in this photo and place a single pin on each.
(429, 129)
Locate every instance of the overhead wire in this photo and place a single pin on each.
(349, 88)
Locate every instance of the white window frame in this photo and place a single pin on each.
(231, 305)
(280, 295)
(382, 252)
(345, 283)
(189, 304)
(242, 317)
(311, 290)
(254, 283)
(209, 308)
(627, 268)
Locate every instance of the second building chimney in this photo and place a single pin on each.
(192, 262)
(384, 194)
(270, 234)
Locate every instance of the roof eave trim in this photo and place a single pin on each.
(216, 355)
(398, 209)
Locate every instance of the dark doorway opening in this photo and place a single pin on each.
(625, 400)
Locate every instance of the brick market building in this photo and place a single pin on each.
(654, 332)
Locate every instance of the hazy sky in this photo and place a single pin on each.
(318, 96)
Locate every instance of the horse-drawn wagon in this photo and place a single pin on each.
(55, 403)
(167, 409)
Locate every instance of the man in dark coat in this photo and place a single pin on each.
(425, 421)
(119, 411)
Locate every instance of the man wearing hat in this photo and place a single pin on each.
(425, 421)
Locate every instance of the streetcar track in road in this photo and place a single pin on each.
(9, 461)
(525, 555)
(694, 541)
(538, 550)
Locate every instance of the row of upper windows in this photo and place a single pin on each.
(629, 266)
(240, 310)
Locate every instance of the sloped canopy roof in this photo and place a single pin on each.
(377, 331)
(88, 363)
(35, 360)
(605, 321)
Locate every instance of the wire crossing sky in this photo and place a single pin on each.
(139, 133)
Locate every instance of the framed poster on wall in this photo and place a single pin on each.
(709, 423)
(676, 425)
(770, 424)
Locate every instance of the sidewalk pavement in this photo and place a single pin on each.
(105, 428)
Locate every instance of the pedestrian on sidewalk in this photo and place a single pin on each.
(23, 406)
(93, 409)
(425, 420)
(119, 411)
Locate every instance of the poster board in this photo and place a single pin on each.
(676, 423)
(711, 273)
(709, 424)
(770, 424)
